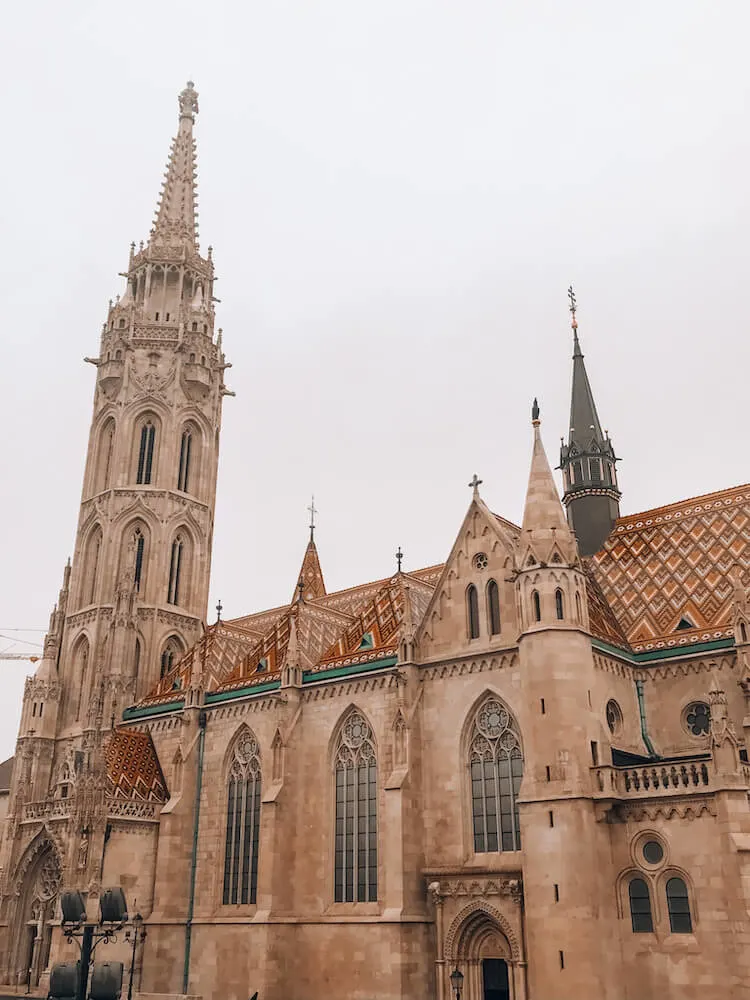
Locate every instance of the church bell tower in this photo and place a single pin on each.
(138, 587)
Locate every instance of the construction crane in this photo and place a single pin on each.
(32, 658)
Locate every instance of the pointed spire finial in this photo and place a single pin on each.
(574, 322)
(399, 557)
(219, 609)
(176, 216)
(313, 511)
(535, 412)
(188, 101)
(475, 483)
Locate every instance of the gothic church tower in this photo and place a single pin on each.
(138, 588)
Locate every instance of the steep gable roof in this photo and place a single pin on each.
(674, 560)
(133, 768)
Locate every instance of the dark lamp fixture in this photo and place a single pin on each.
(457, 981)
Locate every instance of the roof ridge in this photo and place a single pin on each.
(676, 504)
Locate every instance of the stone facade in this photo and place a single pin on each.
(523, 764)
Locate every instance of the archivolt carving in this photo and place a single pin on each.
(50, 876)
(464, 915)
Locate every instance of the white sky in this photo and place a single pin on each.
(398, 194)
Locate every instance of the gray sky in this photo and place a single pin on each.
(398, 194)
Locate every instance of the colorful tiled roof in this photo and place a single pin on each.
(666, 572)
(133, 769)
(602, 621)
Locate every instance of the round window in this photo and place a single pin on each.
(480, 560)
(614, 716)
(698, 718)
(653, 852)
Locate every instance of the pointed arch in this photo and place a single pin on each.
(81, 653)
(536, 606)
(89, 588)
(242, 836)
(466, 916)
(493, 607)
(105, 450)
(472, 611)
(172, 650)
(356, 823)
(134, 554)
(559, 605)
(147, 427)
(495, 764)
(189, 457)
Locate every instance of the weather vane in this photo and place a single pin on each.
(399, 557)
(572, 307)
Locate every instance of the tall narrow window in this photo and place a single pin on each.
(678, 904)
(140, 546)
(243, 823)
(175, 566)
(104, 458)
(559, 608)
(183, 474)
(82, 657)
(493, 607)
(472, 607)
(146, 453)
(356, 836)
(496, 765)
(537, 606)
(171, 653)
(137, 659)
(92, 567)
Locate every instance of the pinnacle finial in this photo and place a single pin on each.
(188, 101)
(535, 411)
(399, 557)
(219, 609)
(313, 511)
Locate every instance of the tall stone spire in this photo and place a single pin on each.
(544, 526)
(310, 583)
(176, 216)
(587, 460)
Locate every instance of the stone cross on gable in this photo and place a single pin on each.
(475, 483)
(313, 511)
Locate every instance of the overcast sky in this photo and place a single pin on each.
(399, 194)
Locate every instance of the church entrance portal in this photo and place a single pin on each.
(495, 979)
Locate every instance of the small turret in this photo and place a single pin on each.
(587, 461)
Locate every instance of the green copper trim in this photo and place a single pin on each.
(647, 656)
(216, 696)
(134, 712)
(308, 677)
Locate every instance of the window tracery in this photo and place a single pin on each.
(146, 446)
(356, 834)
(496, 766)
(243, 823)
(175, 570)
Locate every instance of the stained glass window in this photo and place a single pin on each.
(698, 718)
(243, 823)
(496, 765)
(356, 833)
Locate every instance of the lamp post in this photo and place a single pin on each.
(138, 934)
(457, 982)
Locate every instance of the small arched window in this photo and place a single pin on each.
(175, 570)
(140, 550)
(183, 473)
(137, 659)
(496, 765)
(472, 607)
(104, 457)
(243, 823)
(536, 605)
(559, 607)
(91, 565)
(170, 654)
(640, 907)
(743, 632)
(356, 833)
(146, 453)
(493, 607)
(577, 472)
(82, 668)
(678, 905)
(579, 613)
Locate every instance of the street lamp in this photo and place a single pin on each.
(138, 934)
(457, 981)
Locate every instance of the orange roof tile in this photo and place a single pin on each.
(133, 769)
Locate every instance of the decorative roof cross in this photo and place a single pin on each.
(475, 483)
(219, 609)
(399, 557)
(313, 511)
(300, 588)
(573, 306)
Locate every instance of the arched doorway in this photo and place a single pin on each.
(38, 887)
(485, 952)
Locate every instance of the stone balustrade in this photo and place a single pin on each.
(54, 809)
(657, 779)
(122, 809)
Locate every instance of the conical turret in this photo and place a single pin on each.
(176, 216)
(587, 461)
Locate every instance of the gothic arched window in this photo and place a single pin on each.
(496, 765)
(678, 905)
(183, 473)
(81, 659)
(91, 566)
(493, 607)
(104, 456)
(139, 540)
(175, 569)
(243, 823)
(559, 607)
(170, 655)
(472, 609)
(641, 919)
(536, 604)
(356, 842)
(146, 446)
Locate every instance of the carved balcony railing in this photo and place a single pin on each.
(134, 809)
(52, 809)
(657, 779)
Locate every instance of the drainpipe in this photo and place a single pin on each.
(194, 857)
(644, 729)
